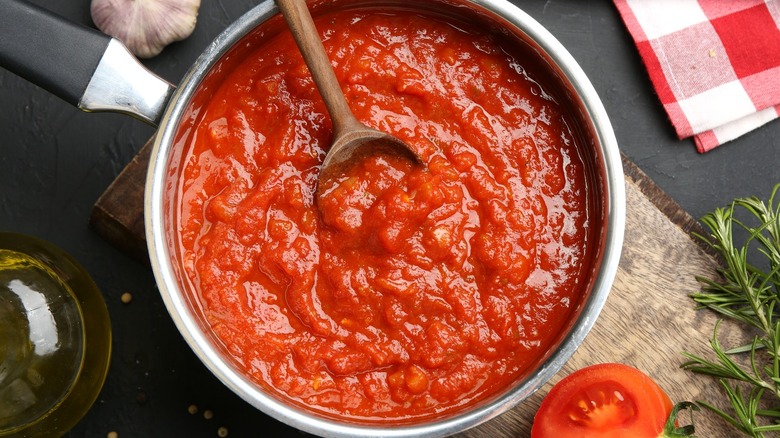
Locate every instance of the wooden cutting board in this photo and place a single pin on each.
(647, 321)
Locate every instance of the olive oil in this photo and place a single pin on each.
(55, 338)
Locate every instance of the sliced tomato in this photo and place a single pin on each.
(604, 401)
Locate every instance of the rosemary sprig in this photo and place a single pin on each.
(747, 292)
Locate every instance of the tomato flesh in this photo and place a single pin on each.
(605, 400)
(602, 406)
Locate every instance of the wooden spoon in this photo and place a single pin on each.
(352, 140)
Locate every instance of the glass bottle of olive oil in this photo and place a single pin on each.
(55, 338)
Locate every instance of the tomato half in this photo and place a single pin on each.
(605, 400)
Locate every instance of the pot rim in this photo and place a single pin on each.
(186, 321)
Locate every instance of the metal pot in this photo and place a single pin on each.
(106, 77)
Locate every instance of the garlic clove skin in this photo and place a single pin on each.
(146, 26)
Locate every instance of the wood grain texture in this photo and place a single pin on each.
(647, 322)
(118, 215)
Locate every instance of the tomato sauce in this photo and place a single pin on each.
(409, 292)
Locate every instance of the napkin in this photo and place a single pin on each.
(715, 64)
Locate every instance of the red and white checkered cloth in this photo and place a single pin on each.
(715, 64)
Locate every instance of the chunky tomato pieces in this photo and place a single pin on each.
(409, 292)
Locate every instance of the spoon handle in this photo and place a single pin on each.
(304, 32)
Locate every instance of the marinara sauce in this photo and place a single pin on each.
(409, 292)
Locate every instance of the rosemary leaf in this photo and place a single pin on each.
(747, 292)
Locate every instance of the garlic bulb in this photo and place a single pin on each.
(146, 26)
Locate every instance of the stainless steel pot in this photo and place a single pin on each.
(110, 79)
